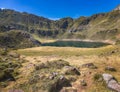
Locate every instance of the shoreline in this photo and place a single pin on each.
(88, 40)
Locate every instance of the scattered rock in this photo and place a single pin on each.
(89, 65)
(34, 79)
(111, 82)
(83, 83)
(109, 68)
(59, 84)
(53, 75)
(83, 75)
(40, 66)
(42, 76)
(69, 89)
(71, 70)
(107, 77)
(35, 58)
(72, 78)
(89, 72)
(22, 57)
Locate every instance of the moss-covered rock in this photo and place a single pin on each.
(9, 68)
(70, 70)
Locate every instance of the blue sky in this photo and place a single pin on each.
(60, 8)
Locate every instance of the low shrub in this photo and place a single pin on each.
(97, 77)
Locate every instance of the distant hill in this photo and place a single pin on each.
(102, 26)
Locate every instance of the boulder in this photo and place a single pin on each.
(59, 84)
(109, 68)
(89, 65)
(70, 70)
(83, 83)
(53, 75)
(111, 82)
(107, 77)
(40, 66)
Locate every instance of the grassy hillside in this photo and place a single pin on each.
(98, 26)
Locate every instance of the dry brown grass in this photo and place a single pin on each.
(101, 57)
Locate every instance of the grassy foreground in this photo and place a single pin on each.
(101, 57)
(45, 66)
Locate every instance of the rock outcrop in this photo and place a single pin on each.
(117, 8)
(109, 68)
(111, 82)
(70, 70)
(89, 65)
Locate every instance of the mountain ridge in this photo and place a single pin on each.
(102, 26)
(117, 8)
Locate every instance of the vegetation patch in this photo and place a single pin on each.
(49, 77)
(9, 68)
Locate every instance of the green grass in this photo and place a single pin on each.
(66, 51)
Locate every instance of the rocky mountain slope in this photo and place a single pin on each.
(102, 26)
(117, 8)
(17, 39)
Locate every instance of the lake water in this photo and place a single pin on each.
(82, 44)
